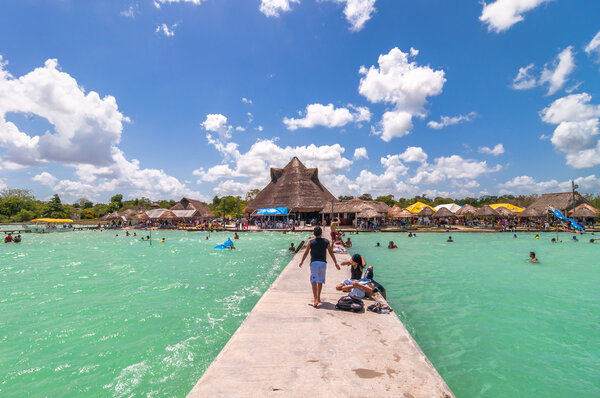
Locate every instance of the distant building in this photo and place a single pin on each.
(297, 188)
(191, 208)
(350, 211)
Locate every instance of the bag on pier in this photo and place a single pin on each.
(350, 303)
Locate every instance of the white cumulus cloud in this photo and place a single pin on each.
(158, 3)
(360, 153)
(414, 154)
(500, 15)
(328, 116)
(578, 129)
(555, 74)
(524, 79)
(273, 8)
(496, 150)
(401, 82)
(217, 123)
(45, 178)
(246, 100)
(451, 120)
(357, 12)
(86, 132)
(452, 167)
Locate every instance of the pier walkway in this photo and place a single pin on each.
(287, 348)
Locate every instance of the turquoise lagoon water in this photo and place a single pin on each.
(95, 314)
(492, 324)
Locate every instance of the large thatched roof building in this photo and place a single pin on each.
(562, 201)
(296, 187)
(191, 204)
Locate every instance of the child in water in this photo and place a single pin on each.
(449, 239)
(532, 257)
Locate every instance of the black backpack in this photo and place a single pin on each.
(350, 303)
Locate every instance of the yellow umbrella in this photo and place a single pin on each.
(513, 208)
(418, 207)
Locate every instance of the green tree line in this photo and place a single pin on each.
(20, 205)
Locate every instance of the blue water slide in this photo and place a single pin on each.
(560, 216)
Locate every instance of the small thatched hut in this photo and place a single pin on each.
(443, 212)
(296, 187)
(141, 216)
(114, 216)
(560, 201)
(466, 210)
(585, 210)
(531, 212)
(395, 212)
(168, 215)
(504, 212)
(202, 211)
(486, 211)
(426, 212)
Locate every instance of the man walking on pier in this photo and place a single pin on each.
(318, 249)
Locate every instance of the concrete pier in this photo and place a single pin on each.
(287, 348)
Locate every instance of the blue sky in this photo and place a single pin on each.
(200, 97)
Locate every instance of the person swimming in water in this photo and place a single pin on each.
(236, 236)
(377, 245)
(292, 249)
(532, 257)
(514, 235)
(537, 236)
(449, 239)
(574, 238)
(391, 245)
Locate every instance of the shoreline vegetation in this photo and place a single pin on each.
(21, 206)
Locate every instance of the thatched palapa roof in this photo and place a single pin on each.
(504, 212)
(141, 216)
(296, 187)
(589, 209)
(443, 212)
(426, 212)
(585, 210)
(362, 208)
(532, 212)
(466, 210)
(192, 204)
(560, 201)
(486, 211)
(167, 215)
(112, 216)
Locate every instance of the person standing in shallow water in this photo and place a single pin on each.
(318, 249)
